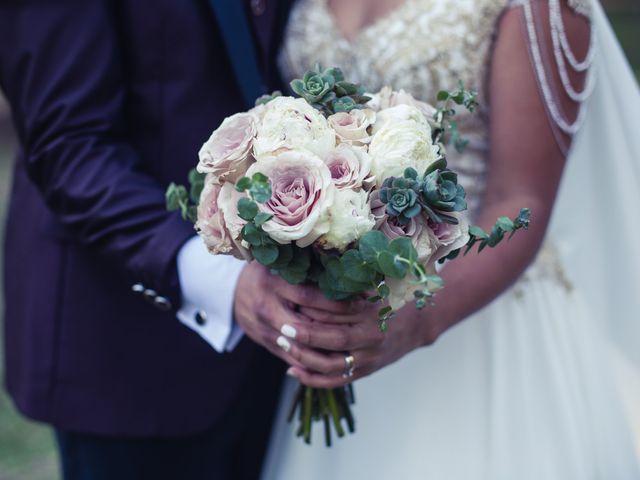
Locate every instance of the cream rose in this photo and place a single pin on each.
(227, 153)
(350, 218)
(401, 290)
(211, 225)
(401, 143)
(400, 113)
(292, 124)
(387, 98)
(350, 167)
(302, 193)
(353, 127)
(450, 237)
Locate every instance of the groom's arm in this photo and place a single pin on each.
(61, 71)
(60, 68)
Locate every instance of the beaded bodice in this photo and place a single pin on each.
(422, 46)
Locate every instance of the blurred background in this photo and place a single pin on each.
(26, 448)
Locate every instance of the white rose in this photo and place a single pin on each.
(227, 153)
(401, 290)
(292, 124)
(387, 98)
(302, 193)
(400, 113)
(353, 127)
(350, 167)
(399, 145)
(350, 218)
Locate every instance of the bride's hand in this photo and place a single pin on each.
(321, 345)
(264, 303)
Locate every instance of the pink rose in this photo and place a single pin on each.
(416, 229)
(353, 127)
(227, 153)
(449, 237)
(350, 167)
(302, 193)
(211, 225)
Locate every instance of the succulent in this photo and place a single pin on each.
(437, 193)
(344, 104)
(328, 91)
(401, 195)
(264, 99)
(316, 85)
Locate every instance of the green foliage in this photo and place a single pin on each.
(196, 179)
(264, 99)
(258, 187)
(328, 91)
(247, 209)
(177, 197)
(502, 227)
(446, 129)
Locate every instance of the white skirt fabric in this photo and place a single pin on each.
(520, 390)
(530, 387)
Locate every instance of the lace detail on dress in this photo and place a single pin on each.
(422, 46)
(546, 266)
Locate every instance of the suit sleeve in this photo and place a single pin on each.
(60, 68)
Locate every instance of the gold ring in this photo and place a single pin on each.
(349, 366)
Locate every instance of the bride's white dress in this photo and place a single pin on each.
(525, 388)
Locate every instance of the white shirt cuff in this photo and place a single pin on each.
(208, 284)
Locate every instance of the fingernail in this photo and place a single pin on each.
(291, 373)
(288, 331)
(283, 343)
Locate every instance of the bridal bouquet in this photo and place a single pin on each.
(345, 190)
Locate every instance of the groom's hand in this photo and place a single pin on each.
(268, 309)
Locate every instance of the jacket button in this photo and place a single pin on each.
(137, 288)
(162, 303)
(150, 294)
(258, 7)
(201, 318)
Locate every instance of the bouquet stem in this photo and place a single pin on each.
(331, 406)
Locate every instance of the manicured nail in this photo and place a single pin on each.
(291, 373)
(283, 343)
(288, 331)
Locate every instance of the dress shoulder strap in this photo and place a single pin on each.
(561, 58)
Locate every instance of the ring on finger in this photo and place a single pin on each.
(349, 366)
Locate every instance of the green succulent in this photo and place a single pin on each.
(441, 193)
(401, 196)
(328, 91)
(316, 86)
(344, 104)
(264, 99)
(437, 193)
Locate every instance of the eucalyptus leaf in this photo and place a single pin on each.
(247, 209)
(265, 254)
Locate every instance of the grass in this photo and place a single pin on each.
(26, 448)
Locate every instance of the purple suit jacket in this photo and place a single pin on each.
(111, 101)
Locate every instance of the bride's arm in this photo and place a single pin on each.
(525, 167)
